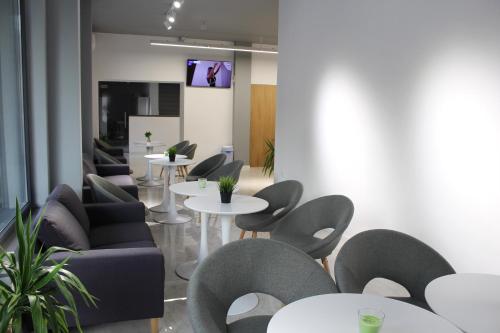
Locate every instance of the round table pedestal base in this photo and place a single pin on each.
(151, 183)
(176, 219)
(186, 270)
(159, 209)
(243, 304)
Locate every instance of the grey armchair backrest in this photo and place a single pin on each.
(189, 151)
(104, 158)
(104, 191)
(232, 169)
(181, 145)
(392, 255)
(251, 265)
(332, 211)
(206, 167)
(283, 195)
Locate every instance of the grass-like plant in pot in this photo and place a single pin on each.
(226, 188)
(269, 160)
(148, 135)
(172, 151)
(33, 282)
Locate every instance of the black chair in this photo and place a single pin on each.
(391, 255)
(206, 167)
(231, 169)
(251, 265)
(282, 198)
(118, 260)
(298, 227)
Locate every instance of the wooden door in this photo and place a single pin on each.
(262, 122)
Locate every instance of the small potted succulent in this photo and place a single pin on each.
(172, 151)
(226, 188)
(148, 135)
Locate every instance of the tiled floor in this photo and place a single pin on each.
(179, 244)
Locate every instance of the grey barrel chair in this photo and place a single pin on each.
(231, 169)
(300, 226)
(251, 265)
(391, 255)
(103, 191)
(282, 198)
(189, 151)
(206, 167)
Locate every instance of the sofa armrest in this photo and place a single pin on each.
(109, 213)
(104, 170)
(128, 283)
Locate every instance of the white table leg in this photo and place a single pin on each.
(186, 270)
(149, 180)
(169, 199)
(249, 301)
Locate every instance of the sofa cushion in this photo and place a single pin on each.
(65, 195)
(121, 180)
(126, 245)
(110, 234)
(60, 228)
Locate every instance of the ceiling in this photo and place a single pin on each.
(228, 20)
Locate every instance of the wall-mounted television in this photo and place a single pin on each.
(209, 73)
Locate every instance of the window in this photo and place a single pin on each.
(13, 175)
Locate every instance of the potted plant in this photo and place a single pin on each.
(172, 151)
(148, 135)
(226, 188)
(32, 284)
(269, 160)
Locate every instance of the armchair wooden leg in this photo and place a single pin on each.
(326, 266)
(155, 325)
(254, 234)
(242, 234)
(161, 173)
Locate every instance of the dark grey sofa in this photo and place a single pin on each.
(118, 174)
(119, 262)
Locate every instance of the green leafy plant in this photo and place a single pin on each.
(34, 280)
(269, 160)
(172, 151)
(227, 184)
(148, 134)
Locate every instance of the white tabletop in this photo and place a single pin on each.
(470, 301)
(192, 189)
(162, 156)
(338, 313)
(150, 144)
(177, 162)
(240, 204)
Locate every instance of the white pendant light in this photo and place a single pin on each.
(178, 3)
(171, 16)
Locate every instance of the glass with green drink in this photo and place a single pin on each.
(370, 320)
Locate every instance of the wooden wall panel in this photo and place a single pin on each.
(263, 121)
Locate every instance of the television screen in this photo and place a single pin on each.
(209, 73)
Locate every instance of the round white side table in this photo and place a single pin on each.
(470, 301)
(339, 313)
(240, 204)
(192, 189)
(168, 203)
(149, 180)
(149, 146)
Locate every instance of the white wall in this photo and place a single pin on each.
(395, 103)
(264, 68)
(164, 129)
(207, 112)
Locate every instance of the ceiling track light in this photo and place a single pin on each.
(178, 4)
(167, 25)
(171, 15)
(210, 47)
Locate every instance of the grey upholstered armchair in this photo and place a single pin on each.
(246, 266)
(206, 167)
(299, 227)
(392, 255)
(118, 262)
(231, 169)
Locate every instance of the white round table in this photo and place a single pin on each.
(150, 146)
(240, 204)
(168, 202)
(339, 313)
(470, 301)
(192, 189)
(149, 180)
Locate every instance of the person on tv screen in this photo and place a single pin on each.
(211, 73)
